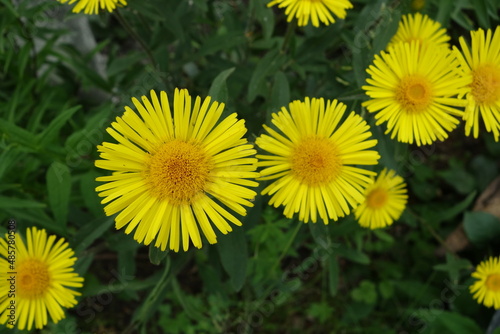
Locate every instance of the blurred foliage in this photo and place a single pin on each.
(273, 275)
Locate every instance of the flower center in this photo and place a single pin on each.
(493, 282)
(414, 93)
(33, 279)
(377, 198)
(486, 84)
(316, 161)
(178, 171)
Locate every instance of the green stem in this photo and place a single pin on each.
(288, 245)
(135, 36)
(288, 35)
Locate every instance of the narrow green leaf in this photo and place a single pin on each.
(353, 255)
(481, 227)
(18, 135)
(57, 123)
(333, 275)
(280, 94)
(482, 13)
(233, 253)
(59, 189)
(156, 255)
(454, 210)
(222, 42)
(90, 232)
(266, 66)
(218, 89)
(18, 203)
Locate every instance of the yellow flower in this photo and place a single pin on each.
(314, 10)
(314, 159)
(413, 89)
(420, 28)
(93, 6)
(41, 271)
(172, 172)
(385, 201)
(481, 64)
(486, 290)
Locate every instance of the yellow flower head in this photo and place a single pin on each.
(420, 28)
(93, 6)
(314, 10)
(41, 271)
(486, 290)
(481, 64)
(172, 172)
(413, 89)
(314, 159)
(385, 201)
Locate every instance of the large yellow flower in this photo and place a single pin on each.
(482, 63)
(414, 90)
(420, 28)
(36, 279)
(315, 159)
(385, 201)
(487, 287)
(94, 6)
(171, 173)
(314, 10)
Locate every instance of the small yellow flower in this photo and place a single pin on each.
(486, 290)
(44, 279)
(420, 28)
(413, 90)
(385, 201)
(94, 6)
(481, 64)
(315, 161)
(176, 173)
(314, 10)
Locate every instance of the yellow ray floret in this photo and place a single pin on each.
(480, 64)
(95, 6)
(314, 10)
(486, 289)
(414, 91)
(177, 172)
(385, 201)
(314, 158)
(36, 279)
(422, 29)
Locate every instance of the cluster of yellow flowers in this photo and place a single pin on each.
(178, 168)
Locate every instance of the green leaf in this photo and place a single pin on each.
(450, 322)
(481, 227)
(18, 203)
(218, 89)
(18, 135)
(156, 255)
(280, 94)
(90, 232)
(233, 254)
(453, 266)
(365, 292)
(333, 275)
(265, 67)
(53, 128)
(353, 255)
(223, 42)
(454, 210)
(59, 189)
(482, 13)
(386, 289)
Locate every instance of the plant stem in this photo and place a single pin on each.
(288, 35)
(135, 36)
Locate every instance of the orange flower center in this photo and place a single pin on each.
(414, 93)
(33, 279)
(377, 198)
(486, 84)
(178, 171)
(316, 161)
(493, 282)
